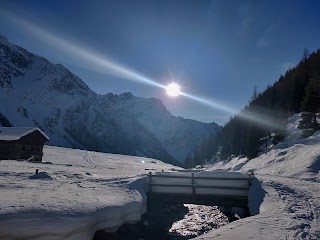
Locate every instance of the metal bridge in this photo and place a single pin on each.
(216, 188)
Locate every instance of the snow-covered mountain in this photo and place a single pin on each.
(34, 91)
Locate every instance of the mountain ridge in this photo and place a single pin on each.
(34, 91)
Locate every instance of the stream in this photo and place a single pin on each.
(171, 222)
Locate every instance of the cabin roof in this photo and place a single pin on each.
(15, 133)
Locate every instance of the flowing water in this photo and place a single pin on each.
(199, 220)
(170, 222)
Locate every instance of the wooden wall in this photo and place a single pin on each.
(24, 148)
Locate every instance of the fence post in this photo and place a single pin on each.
(251, 176)
(193, 188)
(150, 185)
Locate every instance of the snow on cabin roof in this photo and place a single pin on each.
(15, 133)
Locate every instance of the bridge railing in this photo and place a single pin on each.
(197, 187)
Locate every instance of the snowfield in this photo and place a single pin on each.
(286, 194)
(77, 192)
(74, 194)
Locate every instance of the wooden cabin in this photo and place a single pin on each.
(22, 143)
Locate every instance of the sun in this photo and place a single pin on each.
(173, 90)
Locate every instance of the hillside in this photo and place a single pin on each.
(35, 92)
(284, 198)
(298, 90)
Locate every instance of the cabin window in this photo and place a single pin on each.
(23, 148)
(38, 149)
(32, 148)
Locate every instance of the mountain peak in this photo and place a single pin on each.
(4, 39)
(6, 43)
(51, 97)
(126, 95)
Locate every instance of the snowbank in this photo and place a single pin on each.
(285, 196)
(75, 194)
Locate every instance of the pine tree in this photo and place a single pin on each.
(305, 55)
(281, 120)
(252, 141)
(254, 94)
(311, 105)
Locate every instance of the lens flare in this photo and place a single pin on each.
(210, 103)
(84, 56)
(102, 64)
(254, 117)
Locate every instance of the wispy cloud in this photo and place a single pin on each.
(246, 24)
(262, 42)
(245, 14)
(265, 38)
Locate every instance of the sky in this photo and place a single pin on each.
(216, 50)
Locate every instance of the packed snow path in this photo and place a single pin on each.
(300, 201)
(285, 201)
(290, 210)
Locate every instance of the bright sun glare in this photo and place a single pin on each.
(173, 90)
(105, 65)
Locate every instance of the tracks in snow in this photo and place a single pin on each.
(87, 158)
(301, 200)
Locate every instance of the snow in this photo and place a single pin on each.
(15, 133)
(78, 192)
(284, 198)
(74, 194)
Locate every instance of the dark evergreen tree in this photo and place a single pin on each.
(311, 106)
(254, 94)
(252, 143)
(305, 55)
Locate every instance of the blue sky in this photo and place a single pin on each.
(214, 49)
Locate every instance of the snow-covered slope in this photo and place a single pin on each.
(75, 193)
(78, 192)
(35, 92)
(286, 194)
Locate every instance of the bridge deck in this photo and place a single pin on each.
(217, 189)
